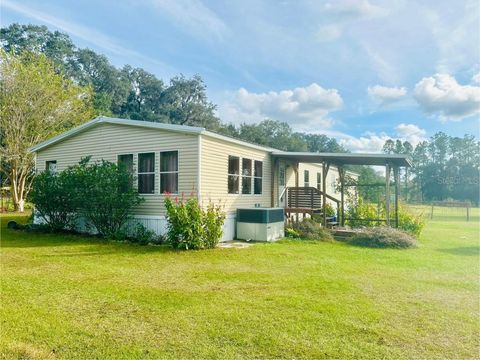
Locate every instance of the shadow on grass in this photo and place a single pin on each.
(463, 251)
(98, 246)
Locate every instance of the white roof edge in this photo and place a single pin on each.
(108, 120)
(293, 153)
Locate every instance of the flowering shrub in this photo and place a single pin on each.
(190, 226)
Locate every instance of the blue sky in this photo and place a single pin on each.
(361, 71)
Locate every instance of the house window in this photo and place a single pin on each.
(319, 181)
(126, 161)
(281, 176)
(306, 178)
(246, 176)
(146, 173)
(258, 177)
(51, 166)
(334, 184)
(169, 172)
(233, 174)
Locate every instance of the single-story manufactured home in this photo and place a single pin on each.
(174, 159)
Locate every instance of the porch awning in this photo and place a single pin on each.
(345, 158)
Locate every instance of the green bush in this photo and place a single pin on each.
(101, 192)
(409, 222)
(361, 212)
(190, 226)
(383, 237)
(143, 236)
(329, 210)
(104, 195)
(312, 230)
(54, 204)
(291, 233)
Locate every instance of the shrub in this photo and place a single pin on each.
(312, 230)
(104, 194)
(291, 233)
(190, 226)
(329, 210)
(383, 237)
(407, 221)
(52, 195)
(362, 211)
(143, 236)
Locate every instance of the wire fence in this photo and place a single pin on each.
(446, 211)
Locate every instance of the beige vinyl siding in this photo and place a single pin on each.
(214, 169)
(106, 141)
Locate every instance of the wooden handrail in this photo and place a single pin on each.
(315, 190)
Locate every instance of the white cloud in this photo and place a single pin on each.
(303, 107)
(373, 143)
(441, 94)
(369, 143)
(411, 133)
(193, 17)
(386, 95)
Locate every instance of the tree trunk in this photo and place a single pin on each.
(17, 181)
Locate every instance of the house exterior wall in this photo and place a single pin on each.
(107, 141)
(332, 179)
(214, 174)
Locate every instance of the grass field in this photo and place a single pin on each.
(74, 297)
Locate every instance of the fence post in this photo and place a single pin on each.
(468, 212)
(431, 213)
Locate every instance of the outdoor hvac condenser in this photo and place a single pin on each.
(260, 224)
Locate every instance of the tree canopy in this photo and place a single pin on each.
(35, 103)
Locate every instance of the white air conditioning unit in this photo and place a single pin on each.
(260, 224)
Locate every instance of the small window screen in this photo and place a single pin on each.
(126, 161)
(169, 172)
(233, 174)
(306, 178)
(146, 173)
(246, 176)
(258, 177)
(51, 166)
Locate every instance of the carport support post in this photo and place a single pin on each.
(296, 185)
(396, 177)
(325, 168)
(274, 183)
(387, 193)
(341, 171)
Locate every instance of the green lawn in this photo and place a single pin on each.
(73, 297)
